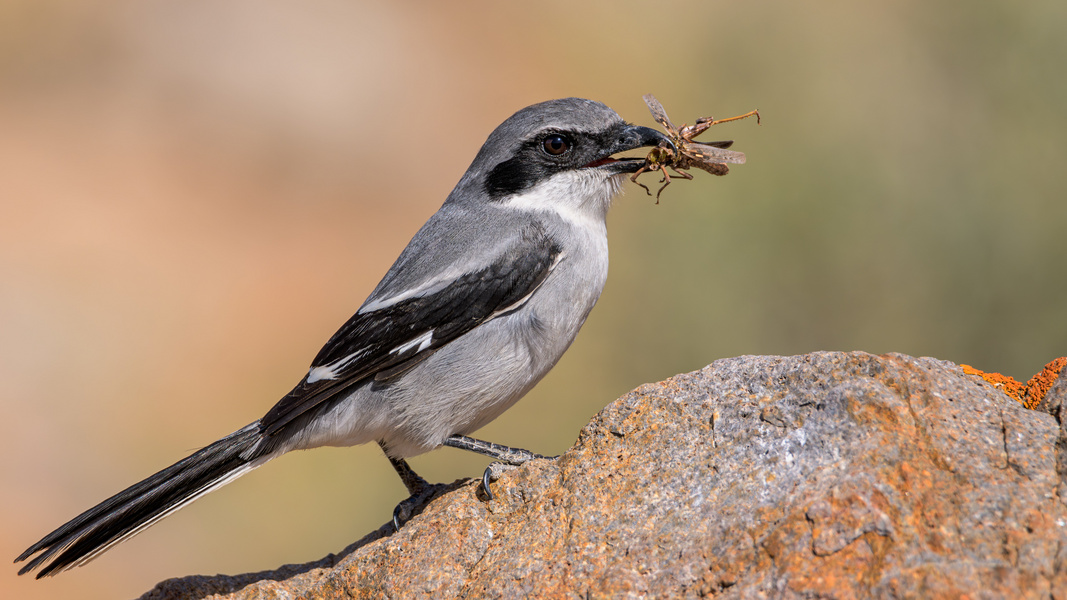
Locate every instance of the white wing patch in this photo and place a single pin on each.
(330, 370)
(425, 289)
(320, 373)
(423, 342)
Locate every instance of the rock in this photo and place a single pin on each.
(829, 475)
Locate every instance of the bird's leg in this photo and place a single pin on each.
(415, 484)
(503, 454)
(419, 489)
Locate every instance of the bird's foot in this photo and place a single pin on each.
(496, 469)
(418, 500)
(506, 456)
(491, 474)
(421, 491)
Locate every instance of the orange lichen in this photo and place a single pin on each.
(1039, 384)
(1006, 384)
(1032, 392)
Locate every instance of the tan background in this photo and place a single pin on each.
(195, 194)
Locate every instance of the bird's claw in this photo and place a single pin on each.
(488, 476)
(496, 469)
(413, 505)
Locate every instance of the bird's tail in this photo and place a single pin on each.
(143, 504)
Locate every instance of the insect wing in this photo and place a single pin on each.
(714, 168)
(658, 113)
(707, 153)
(691, 131)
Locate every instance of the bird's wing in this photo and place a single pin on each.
(384, 342)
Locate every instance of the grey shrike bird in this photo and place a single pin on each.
(480, 305)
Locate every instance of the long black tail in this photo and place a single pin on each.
(143, 504)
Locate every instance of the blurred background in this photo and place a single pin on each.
(194, 195)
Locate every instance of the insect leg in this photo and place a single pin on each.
(751, 113)
(682, 174)
(665, 181)
(633, 178)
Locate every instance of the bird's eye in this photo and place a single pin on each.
(556, 144)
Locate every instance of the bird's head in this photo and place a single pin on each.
(560, 151)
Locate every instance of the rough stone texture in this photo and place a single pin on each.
(828, 475)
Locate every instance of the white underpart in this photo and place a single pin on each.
(423, 342)
(330, 370)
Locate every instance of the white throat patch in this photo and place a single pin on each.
(581, 197)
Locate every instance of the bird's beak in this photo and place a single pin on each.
(632, 137)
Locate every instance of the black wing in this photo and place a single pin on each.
(390, 340)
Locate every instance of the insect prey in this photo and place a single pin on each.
(686, 154)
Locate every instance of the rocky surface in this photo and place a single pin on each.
(829, 475)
